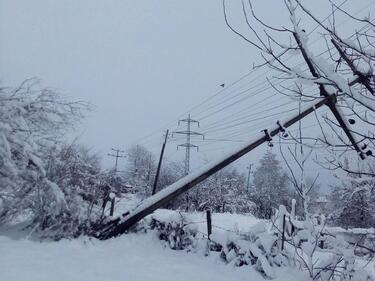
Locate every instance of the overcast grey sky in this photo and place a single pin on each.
(140, 63)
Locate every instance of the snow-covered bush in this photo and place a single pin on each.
(267, 247)
(41, 180)
(258, 247)
(317, 252)
(84, 186)
(353, 197)
(174, 233)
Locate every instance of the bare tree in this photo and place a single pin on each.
(346, 76)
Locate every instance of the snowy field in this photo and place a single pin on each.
(131, 257)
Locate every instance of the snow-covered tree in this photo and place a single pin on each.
(78, 174)
(305, 188)
(343, 75)
(353, 199)
(140, 169)
(343, 72)
(170, 172)
(270, 186)
(225, 191)
(33, 121)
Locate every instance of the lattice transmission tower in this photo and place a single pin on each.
(188, 145)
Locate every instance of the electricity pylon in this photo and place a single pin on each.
(188, 144)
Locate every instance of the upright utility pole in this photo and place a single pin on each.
(119, 154)
(248, 177)
(159, 164)
(188, 144)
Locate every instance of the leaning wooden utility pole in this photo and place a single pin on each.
(122, 224)
(159, 164)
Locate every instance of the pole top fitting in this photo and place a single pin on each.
(268, 137)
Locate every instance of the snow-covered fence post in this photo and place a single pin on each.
(283, 234)
(321, 242)
(292, 227)
(112, 197)
(209, 223)
(209, 232)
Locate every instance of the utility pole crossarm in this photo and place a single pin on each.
(188, 132)
(188, 120)
(117, 156)
(187, 145)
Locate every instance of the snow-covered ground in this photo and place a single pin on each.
(220, 221)
(134, 257)
(130, 257)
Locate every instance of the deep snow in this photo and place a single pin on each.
(130, 257)
(220, 221)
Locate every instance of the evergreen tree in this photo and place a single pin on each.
(353, 201)
(270, 186)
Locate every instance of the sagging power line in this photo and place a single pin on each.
(121, 225)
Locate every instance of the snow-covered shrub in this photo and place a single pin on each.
(262, 248)
(175, 233)
(258, 248)
(304, 247)
(353, 197)
(42, 181)
(268, 247)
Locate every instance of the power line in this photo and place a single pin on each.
(246, 116)
(242, 78)
(264, 82)
(317, 26)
